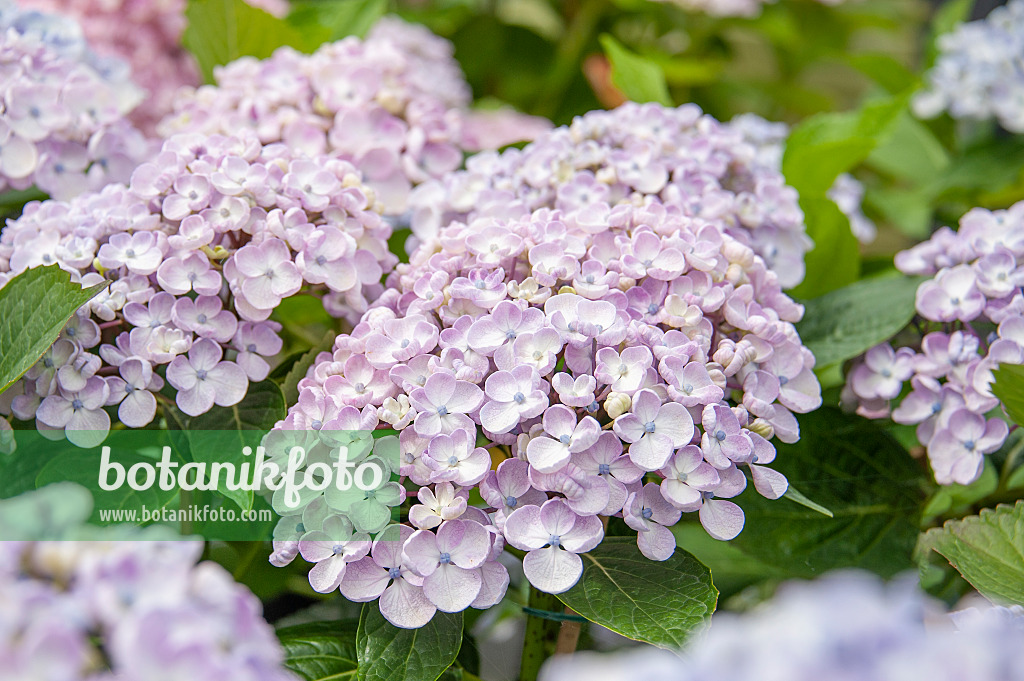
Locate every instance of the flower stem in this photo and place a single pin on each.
(541, 635)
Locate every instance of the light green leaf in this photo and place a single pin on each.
(844, 323)
(828, 144)
(333, 20)
(661, 606)
(911, 152)
(34, 307)
(987, 549)
(221, 31)
(320, 651)
(859, 472)
(834, 261)
(387, 653)
(640, 79)
(1009, 388)
(793, 494)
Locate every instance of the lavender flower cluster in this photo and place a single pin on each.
(732, 8)
(146, 35)
(208, 238)
(391, 104)
(630, 361)
(972, 311)
(636, 154)
(844, 627)
(62, 119)
(125, 607)
(979, 73)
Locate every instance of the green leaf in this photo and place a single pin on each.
(844, 323)
(290, 384)
(320, 651)
(221, 433)
(885, 70)
(834, 261)
(658, 603)
(221, 31)
(911, 152)
(640, 79)
(956, 496)
(987, 549)
(34, 307)
(387, 653)
(859, 472)
(335, 19)
(828, 144)
(1009, 388)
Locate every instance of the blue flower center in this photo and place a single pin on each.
(321, 260)
(783, 380)
(511, 501)
(453, 460)
(593, 407)
(76, 404)
(519, 397)
(405, 342)
(555, 540)
(936, 407)
(339, 548)
(395, 573)
(510, 334)
(649, 427)
(317, 424)
(201, 374)
(688, 388)
(720, 435)
(970, 445)
(442, 410)
(446, 558)
(300, 528)
(201, 318)
(652, 309)
(604, 469)
(251, 347)
(647, 513)
(564, 439)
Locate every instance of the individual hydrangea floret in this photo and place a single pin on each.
(206, 241)
(971, 320)
(634, 155)
(978, 73)
(557, 366)
(848, 626)
(393, 104)
(62, 119)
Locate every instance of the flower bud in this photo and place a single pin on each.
(762, 428)
(617, 404)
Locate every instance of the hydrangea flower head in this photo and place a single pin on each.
(197, 251)
(393, 104)
(633, 155)
(63, 126)
(971, 312)
(560, 401)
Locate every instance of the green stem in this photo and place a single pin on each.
(568, 56)
(541, 635)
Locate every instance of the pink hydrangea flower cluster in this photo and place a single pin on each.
(635, 154)
(208, 238)
(972, 320)
(391, 104)
(130, 611)
(62, 123)
(144, 33)
(629, 361)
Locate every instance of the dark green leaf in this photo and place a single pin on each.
(320, 651)
(290, 384)
(859, 472)
(220, 434)
(988, 550)
(844, 323)
(1009, 388)
(336, 19)
(221, 31)
(34, 307)
(387, 653)
(658, 603)
(640, 79)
